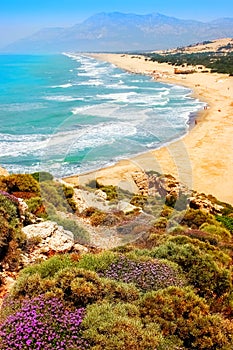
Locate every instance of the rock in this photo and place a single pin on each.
(127, 207)
(80, 248)
(200, 201)
(101, 195)
(50, 236)
(141, 180)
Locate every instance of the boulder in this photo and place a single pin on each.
(50, 236)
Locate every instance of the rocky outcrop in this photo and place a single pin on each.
(50, 236)
(166, 187)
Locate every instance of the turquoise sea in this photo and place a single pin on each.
(70, 113)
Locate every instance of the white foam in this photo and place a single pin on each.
(20, 107)
(62, 98)
(92, 82)
(63, 86)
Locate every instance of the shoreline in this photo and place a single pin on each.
(202, 158)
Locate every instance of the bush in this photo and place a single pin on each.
(227, 221)
(81, 235)
(194, 218)
(22, 185)
(108, 326)
(202, 271)
(146, 275)
(42, 176)
(181, 313)
(218, 231)
(32, 327)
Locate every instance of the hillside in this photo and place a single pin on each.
(123, 32)
(223, 45)
(164, 282)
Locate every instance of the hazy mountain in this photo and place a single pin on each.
(123, 32)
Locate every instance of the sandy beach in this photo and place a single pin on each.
(202, 159)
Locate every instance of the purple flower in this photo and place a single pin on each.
(43, 324)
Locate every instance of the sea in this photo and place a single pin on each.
(70, 113)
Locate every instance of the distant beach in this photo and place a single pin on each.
(202, 159)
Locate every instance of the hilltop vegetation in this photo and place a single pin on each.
(170, 288)
(216, 62)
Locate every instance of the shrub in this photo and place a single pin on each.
(80, 234)
(218, 231)
(202, 271)
(42, 176)
(97, 262)
(35, 206)
(8, 208)
(181, 313)
(24, 185)
(32, 327)
(108, 326)
(194, 218)
(146, 275)
(227, 221)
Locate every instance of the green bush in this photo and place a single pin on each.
(22, 185)
(203, 273)
(42, 176)
(108, 326)
(218, 231)
(227, 221)
(97, 262)
(181, 313)
(194, 218)
(81, 235)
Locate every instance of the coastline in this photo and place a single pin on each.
(202, 158)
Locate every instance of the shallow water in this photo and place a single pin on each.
(70, 113)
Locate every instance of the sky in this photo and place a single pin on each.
(20, 18)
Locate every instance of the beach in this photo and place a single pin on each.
(202, 159)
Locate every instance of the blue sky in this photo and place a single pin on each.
(19, 18)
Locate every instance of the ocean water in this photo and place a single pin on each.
(70, 113)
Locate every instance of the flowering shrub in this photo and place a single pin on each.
(43, 324)
(146, 275)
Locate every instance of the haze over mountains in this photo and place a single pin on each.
(123, 32)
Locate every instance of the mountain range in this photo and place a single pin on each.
(115, 32)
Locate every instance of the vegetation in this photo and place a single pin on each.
(217, 62)
(170, 289)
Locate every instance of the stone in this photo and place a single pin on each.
(51, 235)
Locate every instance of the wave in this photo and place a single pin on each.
(62, 98)
(20, 107)
(63, 86)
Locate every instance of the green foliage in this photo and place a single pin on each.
(97, 262)
(195, 218)
(22, 185)
(8, 208)
(180, 312)
(107, 326)
(217, 62)
(213, 281)
(218, 231)
(138, 200)
(42, 176)
(35, 206)
(227, 221)
(81, 235)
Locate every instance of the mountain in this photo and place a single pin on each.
(123, 32)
